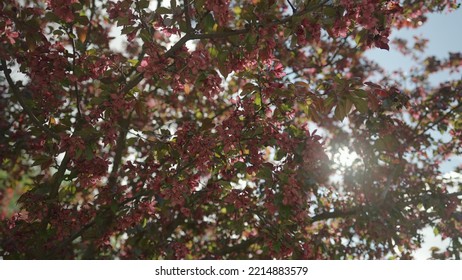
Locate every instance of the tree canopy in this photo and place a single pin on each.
(211, 131)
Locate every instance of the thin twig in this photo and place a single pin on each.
(22, 102)
(76, 88)
(439, 120)
(294, 10)
(90, 25)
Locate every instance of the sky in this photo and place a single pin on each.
(443, 32)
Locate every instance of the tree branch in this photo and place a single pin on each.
(294, 10)
(337, 214)
(191, 36)
(121, 139)
(139, 76)
(120, 147)
(303, 12)
(22, 102)
(58, 177)
(74, 55)
(90, 25)
(218, 35)
(187, 16)
(439, 120)
(241, 247)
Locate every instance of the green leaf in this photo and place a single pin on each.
(240, 166)
(213, 52)
(89, 154)
(183, 26)
(285, 107)
(330, 11)
(348, 105)
(258, 100)
(163, 10)
(340, 111)
(359, 38)
(127, 29)
(51, 17)
(209, 23)
(222, 56)
(39, 160)
(131, 141)
(360, 104)
(249, 88)
(280, 154)
(329, 103)
(133, 62)
(122, 21)
(78, 153)
(83, 20)
(143, 4)
(266, 172)
(360, 93)
(145, 36)
(58, 32)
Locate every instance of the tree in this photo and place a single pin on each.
(196, 138)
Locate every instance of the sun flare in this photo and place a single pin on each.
(345, 157)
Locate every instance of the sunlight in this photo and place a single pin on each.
(345, 157)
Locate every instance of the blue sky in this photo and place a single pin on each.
(443, 32)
